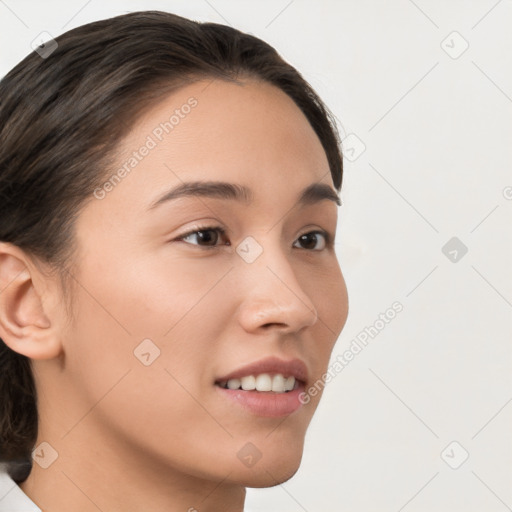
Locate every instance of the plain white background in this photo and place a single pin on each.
(422, 91)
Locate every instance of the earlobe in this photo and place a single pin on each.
(24, 325)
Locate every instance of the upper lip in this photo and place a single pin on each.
(291, 368)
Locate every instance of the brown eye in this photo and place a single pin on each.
(205, 237)
(315, 240)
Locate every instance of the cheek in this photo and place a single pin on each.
(146, 386)
(339, 309)
(328, 291)
(330, 298)
(167, 310)
(142, 309)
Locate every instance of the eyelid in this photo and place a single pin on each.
(206, 227)
(315, 229)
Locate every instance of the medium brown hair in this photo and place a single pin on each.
(61, 119)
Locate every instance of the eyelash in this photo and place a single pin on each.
(222, 231)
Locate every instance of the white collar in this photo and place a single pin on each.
(12, 498)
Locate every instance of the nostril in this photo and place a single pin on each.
(270, 324)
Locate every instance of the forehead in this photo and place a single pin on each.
(215, 129)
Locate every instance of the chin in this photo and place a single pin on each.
(272, 478)
(271, 471)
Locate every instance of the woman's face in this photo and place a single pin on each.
(166, 321)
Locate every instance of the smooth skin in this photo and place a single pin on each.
(161, 437)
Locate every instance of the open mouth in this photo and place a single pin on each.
(269, 387)
(264, 382)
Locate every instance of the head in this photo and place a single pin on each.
(135, 291)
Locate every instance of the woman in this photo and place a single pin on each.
(170, 289)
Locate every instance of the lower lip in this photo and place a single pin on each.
(266, 403)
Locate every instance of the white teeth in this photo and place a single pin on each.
(278, 384)
(248, 383)
(262, 382)
(234, 383)
(289, 383)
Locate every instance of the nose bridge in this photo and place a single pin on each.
(272, 293)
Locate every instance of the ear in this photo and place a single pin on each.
(25, 326)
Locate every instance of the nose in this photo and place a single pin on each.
(273, 296)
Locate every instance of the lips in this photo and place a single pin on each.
(271, 366)
(268, 388)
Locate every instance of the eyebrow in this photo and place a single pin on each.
(312, 194)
